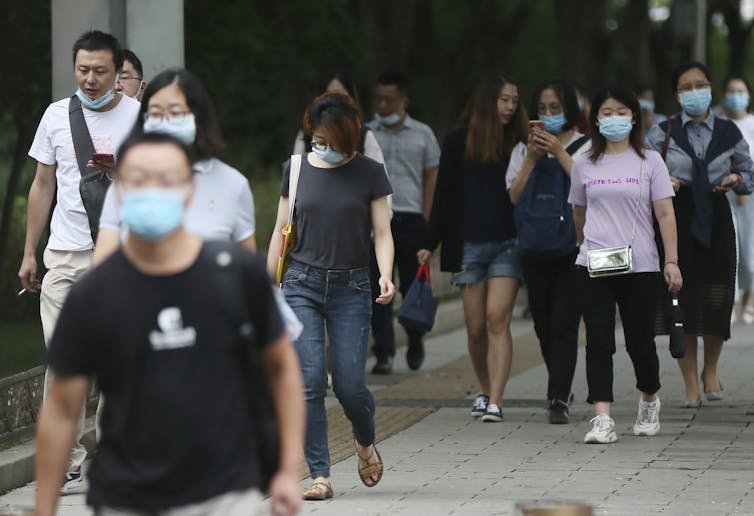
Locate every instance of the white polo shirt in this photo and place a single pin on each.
(222, 207)
(53, 144)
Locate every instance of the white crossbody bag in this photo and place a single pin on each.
(612, 261)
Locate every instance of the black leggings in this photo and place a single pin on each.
(636, 297)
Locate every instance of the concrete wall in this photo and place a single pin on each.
(153, 29)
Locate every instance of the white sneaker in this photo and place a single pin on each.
(648, 418)
(73, 481)
(603, 430)
(493, 415)
(479, 408)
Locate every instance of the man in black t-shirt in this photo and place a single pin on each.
(170, 328)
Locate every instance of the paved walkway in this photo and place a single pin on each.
(441, 461)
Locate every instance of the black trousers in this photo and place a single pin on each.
(553, 287)
(636, 296)
(410, 233)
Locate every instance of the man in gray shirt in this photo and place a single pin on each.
(412, 155)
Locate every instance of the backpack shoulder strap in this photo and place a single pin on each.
(576, 145)
(667, 125)
(82, 141)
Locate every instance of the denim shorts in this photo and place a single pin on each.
(485, 260)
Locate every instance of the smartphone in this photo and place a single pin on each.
(536, 126)
(103, 158)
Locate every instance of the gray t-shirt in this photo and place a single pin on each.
(408, 152)
(333, 211)
(222, 207)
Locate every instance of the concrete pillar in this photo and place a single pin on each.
(153, 29)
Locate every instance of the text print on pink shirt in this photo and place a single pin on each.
(613, 181)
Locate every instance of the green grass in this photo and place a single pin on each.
(21, 346)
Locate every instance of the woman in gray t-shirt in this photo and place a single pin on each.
(340, 202)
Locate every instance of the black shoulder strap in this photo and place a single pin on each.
(363, 138)
(667, 126)
(576, 145)
(82, 141)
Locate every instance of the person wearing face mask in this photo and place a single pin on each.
(131, 78)
(340, 212)
(707, 157)
(176, 103)
(735, 108)
(549, 271)
(649, 117)
(412, 155)
(615, 189)
(181, 426)
(108, 116)
(472, 217)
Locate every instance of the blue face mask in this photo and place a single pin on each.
(95, 104)
(553, 124)
(736, 102)
(152, 213)
(696, 102)
(647, 105)
(389, 120)
(327, 153)
(616, 128)
(183, 128)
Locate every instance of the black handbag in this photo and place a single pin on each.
(94, 183)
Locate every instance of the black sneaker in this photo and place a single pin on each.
(384, 365)
(558, 413)
(415, 353)
(493, 415)
(73, 480)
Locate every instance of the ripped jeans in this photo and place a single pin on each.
(340, 300)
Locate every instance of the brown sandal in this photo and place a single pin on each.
(320, 490)
(368, 471)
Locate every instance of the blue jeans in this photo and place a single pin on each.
(341, 300)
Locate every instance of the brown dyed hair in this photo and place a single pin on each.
(337, 116)
(488, 140)
(628, 99)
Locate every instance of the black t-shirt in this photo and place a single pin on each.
(177, 426)
(333, 211)
(487, 207)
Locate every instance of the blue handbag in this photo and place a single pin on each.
(418, 309)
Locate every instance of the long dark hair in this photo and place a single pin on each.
(209, 139)
(488, 140)
(628, 99)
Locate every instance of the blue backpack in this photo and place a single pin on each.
(543, 216)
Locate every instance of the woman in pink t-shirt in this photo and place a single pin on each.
(614, 190)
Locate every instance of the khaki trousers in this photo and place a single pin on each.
(64, 269)
(235, 503)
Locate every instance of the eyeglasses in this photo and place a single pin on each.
(128, 78)
(685, 88)
(175, 118)
(555, 108)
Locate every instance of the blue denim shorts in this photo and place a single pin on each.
(485, 260)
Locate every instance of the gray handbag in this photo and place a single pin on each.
(613, 261)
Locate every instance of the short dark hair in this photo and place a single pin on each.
(209, 139)
(97, 40)
(134, 140)
(736, 77)
(566, 94)
(132, 58)
(394, 78)
(685, 67)
(338, 116)
(626, 97)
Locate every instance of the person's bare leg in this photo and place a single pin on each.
(713, 346)
(601, 407)
(501, 294)
(474, 297)
(688, 365)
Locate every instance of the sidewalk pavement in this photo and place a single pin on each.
(439, 460)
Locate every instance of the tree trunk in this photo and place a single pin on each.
(24, 133)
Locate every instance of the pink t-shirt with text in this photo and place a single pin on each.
(609, 189)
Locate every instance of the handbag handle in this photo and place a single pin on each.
(423, 270)
(293, 185)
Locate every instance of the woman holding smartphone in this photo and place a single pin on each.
(550, 275)
(472, 217)
(615, 189)
(707, 157)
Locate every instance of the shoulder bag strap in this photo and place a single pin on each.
(638, 203)
(293, 185)
(82, 141)
(665, 144)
